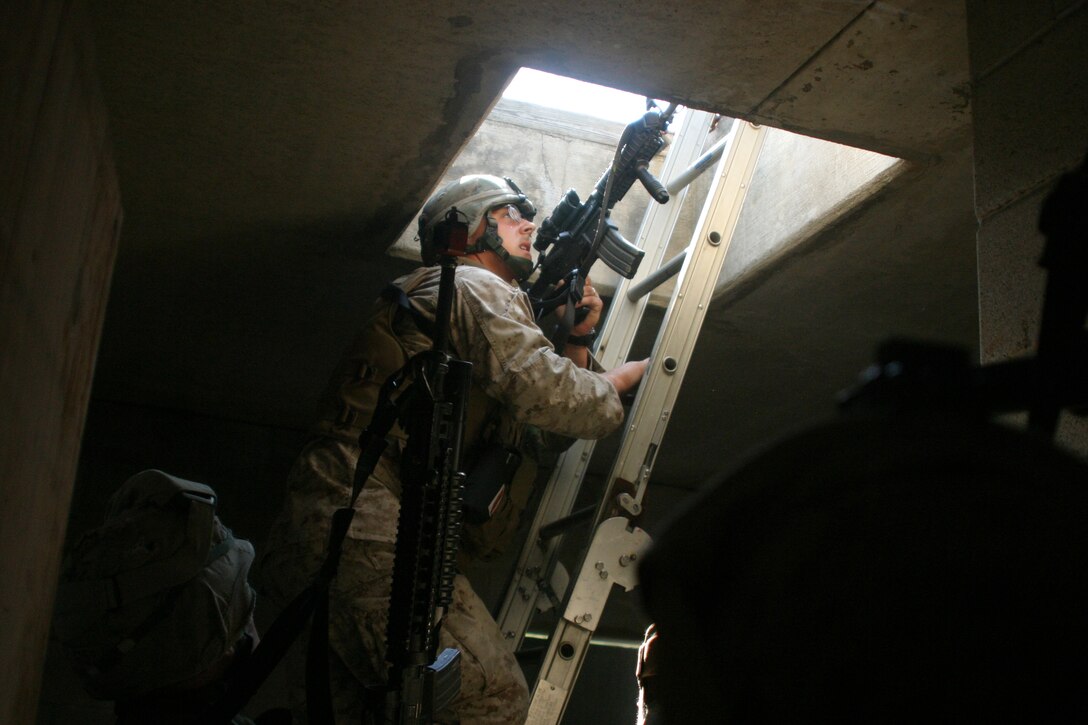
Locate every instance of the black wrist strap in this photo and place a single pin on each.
(582, 340)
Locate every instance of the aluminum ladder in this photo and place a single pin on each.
(617, 544)
(532, 585)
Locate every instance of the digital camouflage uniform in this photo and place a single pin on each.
(519, 382)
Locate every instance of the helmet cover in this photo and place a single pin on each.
(473, 196)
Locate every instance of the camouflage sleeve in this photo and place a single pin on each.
(514, 363)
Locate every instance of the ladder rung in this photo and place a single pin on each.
(560, 526)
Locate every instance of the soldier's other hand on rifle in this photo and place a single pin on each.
(592, 302)
(583, 333)
(626, 377)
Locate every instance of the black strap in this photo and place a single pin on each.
(585, 340)
(399, 297)
(372, 443)
(318, 692)
(314, 599)
(274, 644)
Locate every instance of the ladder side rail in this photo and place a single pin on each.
(537, 559)
(617, 545)
(695, 290)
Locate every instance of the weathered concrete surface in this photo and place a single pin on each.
(800, 186)
(247, 114)
(1028, 68)
(874, 60)
(60, 216)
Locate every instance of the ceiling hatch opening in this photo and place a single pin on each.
(576, 97)
(550, 134)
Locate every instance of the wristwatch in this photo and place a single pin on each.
(583, 340)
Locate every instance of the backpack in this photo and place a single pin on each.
(157, 593)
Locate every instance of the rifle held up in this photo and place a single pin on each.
(579, 233)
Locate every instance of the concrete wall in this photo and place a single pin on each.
(60, 215)
(1030, 104)
(800, 187)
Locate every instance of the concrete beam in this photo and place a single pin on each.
(60, 216)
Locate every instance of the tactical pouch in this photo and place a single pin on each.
(487, 483)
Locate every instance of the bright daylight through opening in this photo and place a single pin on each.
(568, 94)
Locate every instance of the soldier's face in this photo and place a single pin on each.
(515, 231)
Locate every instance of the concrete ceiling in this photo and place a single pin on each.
(269, 152)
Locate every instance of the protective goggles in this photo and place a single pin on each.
(514, 214)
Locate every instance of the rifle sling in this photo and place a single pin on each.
(313, 600)
(562, 331)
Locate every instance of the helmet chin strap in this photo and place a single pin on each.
(491, 241)
(520, 266)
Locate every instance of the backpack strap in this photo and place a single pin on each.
(313, 601)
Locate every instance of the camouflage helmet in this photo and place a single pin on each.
(474, 196)
(157, 594)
